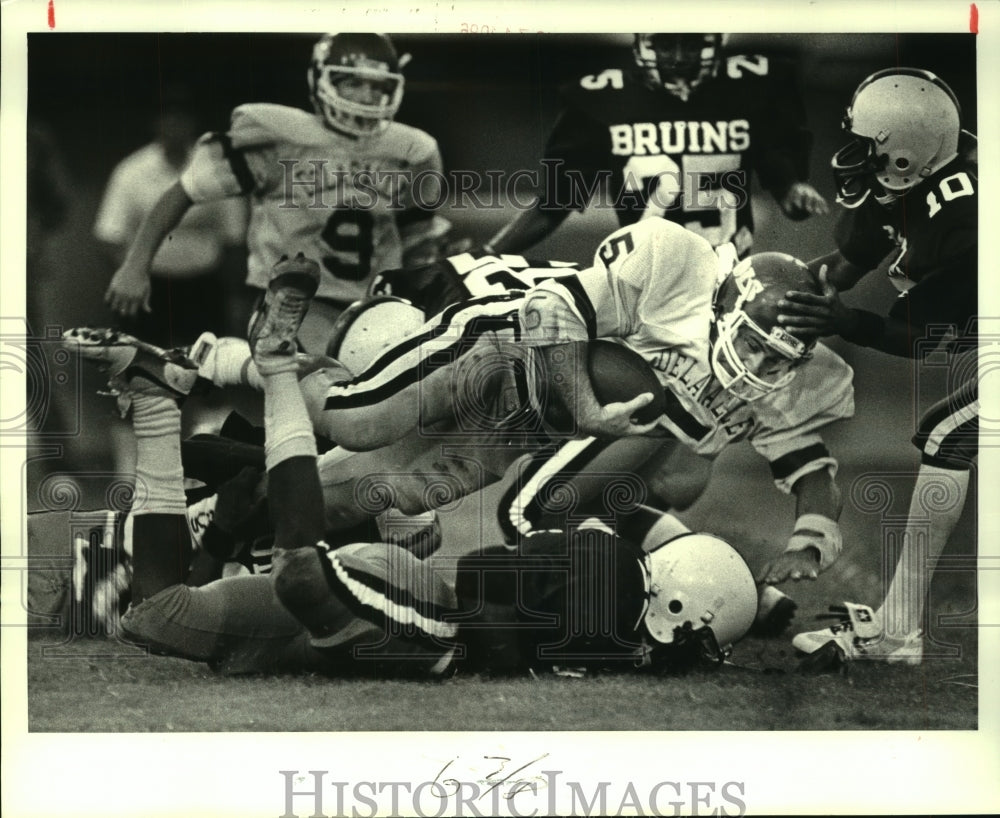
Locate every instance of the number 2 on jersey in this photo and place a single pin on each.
(349, 234)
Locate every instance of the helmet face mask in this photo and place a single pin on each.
(751, 354)
(856, 167)
(905, 125)
(355, 82)
(751, 363)
(677, 63)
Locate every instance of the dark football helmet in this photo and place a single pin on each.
(751, 354)
(355, 82)
(677, 63)
(905, 124)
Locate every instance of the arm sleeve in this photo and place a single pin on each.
(790, 420)
(860, 239)
(576, 157)
(943, 303)
(217, 170)
(786, 141)
(117, 218)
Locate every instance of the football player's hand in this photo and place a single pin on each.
(615, 419)
(795, 565)
(802, 201)
(128, 291)
(808, 315)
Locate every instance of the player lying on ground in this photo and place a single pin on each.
(908, 181)
(498, 373)
(660, 596)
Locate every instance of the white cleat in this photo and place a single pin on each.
(860, 636)
(275, 325)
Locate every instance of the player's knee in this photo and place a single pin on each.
(340, 511)
(166, 624)
(298, 578)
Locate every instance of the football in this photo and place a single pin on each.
(618, 374)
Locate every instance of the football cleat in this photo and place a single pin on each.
(275, 324)
(860, 636)
(775, 611)
(133, 366)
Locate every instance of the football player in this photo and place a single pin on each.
(645, 599)
(346, 183)
(500, 371)
(681, 134)
(908, 182)
(678, 137)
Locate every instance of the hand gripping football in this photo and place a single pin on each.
(618, 373)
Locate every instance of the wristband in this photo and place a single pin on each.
(819, 532)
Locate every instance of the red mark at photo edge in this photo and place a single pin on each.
(973, 18)
(52, 14)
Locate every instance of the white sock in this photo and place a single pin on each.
(287, 428)
(935, 507)
(159, 475)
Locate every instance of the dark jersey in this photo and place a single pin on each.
(687, 161)
(926, 242)
(447, 281)
(570, 600)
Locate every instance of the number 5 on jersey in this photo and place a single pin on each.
(616, 246)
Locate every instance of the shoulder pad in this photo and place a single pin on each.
(264, 123)
(410, 143)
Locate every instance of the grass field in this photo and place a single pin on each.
(157, 694)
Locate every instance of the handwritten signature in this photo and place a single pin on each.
(498, 776)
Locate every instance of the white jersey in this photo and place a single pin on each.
(354, 205)
(652, 285)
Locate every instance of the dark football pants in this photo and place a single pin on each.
(569, 481)
(948, 432)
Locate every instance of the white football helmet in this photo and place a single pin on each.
(341, 61)
(751, 354)
(370, 326)
(677, 63)
(906, 124)
(700, 586)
